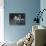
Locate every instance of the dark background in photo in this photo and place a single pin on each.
(17, 18)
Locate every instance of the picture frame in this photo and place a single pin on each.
(17, 18)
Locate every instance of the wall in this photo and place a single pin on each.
(29, 7)
(1, 21)
(43, 6)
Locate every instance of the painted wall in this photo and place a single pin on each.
(1, 21)
(43, 6)
(29, 7)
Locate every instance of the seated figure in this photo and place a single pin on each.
(26, 41)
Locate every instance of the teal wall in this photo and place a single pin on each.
(29, 7)
(43, 6)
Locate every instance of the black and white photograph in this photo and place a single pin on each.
(17, 18)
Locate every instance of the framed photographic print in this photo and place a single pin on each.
(17, 18)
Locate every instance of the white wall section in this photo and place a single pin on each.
(1, 20)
